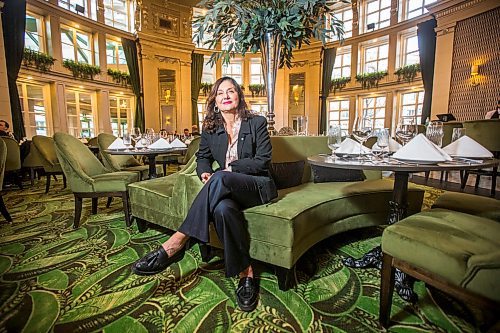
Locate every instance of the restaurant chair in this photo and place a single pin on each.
(13, 162)
(192, 148)
(33, 162)
(486, 133)
(88, 178)
(51, 166)
(120, 162)
(3, 159)
(455, 252)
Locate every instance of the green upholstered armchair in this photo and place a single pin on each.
(88, 178)
(3, 159)
(33, 162)
(177, 158)
(13, 162)
(45, 146)
(120, 162)
(453, 251)
(486, 132)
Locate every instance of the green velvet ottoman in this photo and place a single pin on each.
(453, 251)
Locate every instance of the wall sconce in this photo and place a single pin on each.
(297, 91)
(474, 72)
(167, 93)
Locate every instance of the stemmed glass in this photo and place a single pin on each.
(362, 131)
(405, 131)
(135, 134)
(334, 138)
(127, 141)
(435, 132)
(382, 135)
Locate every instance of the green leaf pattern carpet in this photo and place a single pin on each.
(54, 278)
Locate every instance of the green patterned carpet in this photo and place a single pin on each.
(56, 279)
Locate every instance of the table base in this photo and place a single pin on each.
(403, 283)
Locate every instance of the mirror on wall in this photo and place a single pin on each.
(167, 98)
(296, 99)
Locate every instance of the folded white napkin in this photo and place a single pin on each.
(187, 141)
(161, 143)
(351, 147)
(138, 144)
(393, 146)
(422, 149)
(467, 147)
(117, 144)
(178, 144)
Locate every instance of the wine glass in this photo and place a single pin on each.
(334, 138)
(135, 134)
(127, 141)
(362, 130)
(435, 132)
(457, 133)
(382, 135)
(145, 141)
(405, 131)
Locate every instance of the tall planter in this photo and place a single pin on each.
(270, 48)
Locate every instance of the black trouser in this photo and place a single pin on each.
(222, 200)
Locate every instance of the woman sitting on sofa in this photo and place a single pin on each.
(240, 144)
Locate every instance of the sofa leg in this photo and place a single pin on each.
(206, 252)
(386, 289)
(142, 225)
(126, 209)
(110, 200)
(285, 278)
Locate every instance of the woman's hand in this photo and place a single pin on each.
(205, 177)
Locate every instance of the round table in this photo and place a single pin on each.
(149, 153)
(399, 203)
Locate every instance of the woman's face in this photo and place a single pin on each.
(227, 98)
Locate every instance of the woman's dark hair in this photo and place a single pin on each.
(6, 123)
(212, 119)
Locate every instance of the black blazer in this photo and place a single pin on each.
(254, 154)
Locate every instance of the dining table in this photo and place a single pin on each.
(399, 203)
(150, 153)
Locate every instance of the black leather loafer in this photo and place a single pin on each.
(246, 294)
(156, 261)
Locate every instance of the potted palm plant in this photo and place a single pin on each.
(273, 27)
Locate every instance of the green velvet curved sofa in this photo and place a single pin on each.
(283, 230)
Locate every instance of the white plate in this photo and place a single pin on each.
(418, 161)
(471, 157)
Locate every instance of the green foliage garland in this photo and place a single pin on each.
(205, 87)
(408, 72)
(369, 80)
(242, 23)
(257, 89)
(340, 83)
(39, 60)
(119, 76)
(82, 70)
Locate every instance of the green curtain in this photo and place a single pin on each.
(13, 24)
(130, 50)
(427, 50)
(196, 74)
(326, 82)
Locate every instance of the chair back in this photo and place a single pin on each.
(193, 147)
(77, 161)
(13, 154)
(92, 142)
(47, 149)
(3, 159)
(485, 131)
(34, 158)
(113, 162)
